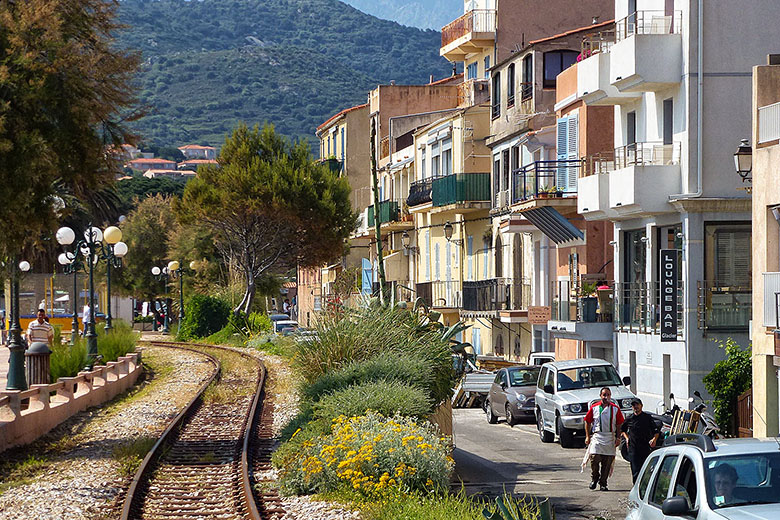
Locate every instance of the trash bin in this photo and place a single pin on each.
(37, 363)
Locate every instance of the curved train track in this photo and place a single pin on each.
(209, 462)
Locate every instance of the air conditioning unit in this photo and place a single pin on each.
(502, 199)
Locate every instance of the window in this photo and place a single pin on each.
(523, 377)
(471, 71)
(496, 173)
(435, 159)
(644, 480)
(428, 254)
(542, 378)
(528, 77)
(742, 479)
(728, 254)
(568, 150)
(505, 170)
(556, 62)
(422, 163)
(668, 121)
(663, 480)
(496, 95)
(343, 145)
(510, 86)
(436, 270)
(485, 247)
(685, 484)
(470, 254)
(476, 341)
(487, 67)
(446, 156)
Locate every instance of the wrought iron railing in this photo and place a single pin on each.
(496, 294)
(424, 291)
(724, 307)
(568, 304)
(461, 187)
(420, 192)
(637, 308)
(648, 22)
(477, 20)
(538, 179)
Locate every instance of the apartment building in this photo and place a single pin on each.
(678, 78)
(765, 154)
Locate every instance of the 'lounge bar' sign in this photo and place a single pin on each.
(669, 284)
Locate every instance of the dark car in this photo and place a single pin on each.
(512, 394)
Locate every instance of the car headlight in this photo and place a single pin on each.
(520, 398)
(572, 408)
(626, 403)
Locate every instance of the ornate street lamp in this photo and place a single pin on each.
(16, 377)
(448, 234)
(159, 275)
(743, 160)
(72, 264)
(113, 254)
(93, 250)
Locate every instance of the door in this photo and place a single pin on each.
(499, 395)
(548, 406)
(630, 153)
(659, 491)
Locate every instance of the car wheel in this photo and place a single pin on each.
(544, 435)
(567, 435)
(510, 419)
(491, 417)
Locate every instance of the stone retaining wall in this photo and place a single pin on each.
(49, 405)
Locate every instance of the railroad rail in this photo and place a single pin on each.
(209, 461)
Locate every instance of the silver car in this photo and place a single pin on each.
(692, 476)
(566, 389)
(512, 394)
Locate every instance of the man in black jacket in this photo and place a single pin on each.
(641, 433)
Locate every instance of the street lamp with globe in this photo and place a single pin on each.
(16, 376)
(159, 275)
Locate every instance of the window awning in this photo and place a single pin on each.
(555, 226)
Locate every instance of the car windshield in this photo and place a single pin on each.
(587, 377)
(523, 376)
(743, 480)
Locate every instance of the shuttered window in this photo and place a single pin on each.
(470, 254)
(728, 254)
(568, 150)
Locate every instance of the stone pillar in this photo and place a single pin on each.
(37, 363)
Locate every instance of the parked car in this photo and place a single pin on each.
(278, 317)
(285, 327)
(512, 394)
(566, 389)
(693, 476)
(540, 358)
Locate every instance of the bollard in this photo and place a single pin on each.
(37, 357)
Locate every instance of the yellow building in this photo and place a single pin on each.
(766, 246)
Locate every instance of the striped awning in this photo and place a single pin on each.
(555, 226)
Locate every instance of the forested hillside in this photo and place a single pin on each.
(210, 64)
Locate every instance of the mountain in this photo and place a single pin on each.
(426, 14)
(211, 63)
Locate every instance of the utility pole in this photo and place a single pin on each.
(377, 223)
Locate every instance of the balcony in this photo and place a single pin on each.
(496, 294)
(642, 175)
(471, 33)
(471, 190)
(582, 318)
(420, 192)
(388, 212)
(647, 55)
(440, 294)
(333, 164)
(473, 92)
(593, 186)
(637, 308)
(721, 307)
(546, 183)
(594, 86)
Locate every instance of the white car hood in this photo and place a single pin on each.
(757, 512)
(583, 395)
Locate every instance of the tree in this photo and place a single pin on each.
(146, 232)
(269, 206)
(727, 381)
(64, 90)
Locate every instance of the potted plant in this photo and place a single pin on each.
(555, 191)
(543, 192)
(588, 302)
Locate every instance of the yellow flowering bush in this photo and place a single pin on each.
(372, 455)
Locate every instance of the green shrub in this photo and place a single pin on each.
(273, 344)
(382, 367)
(373, 455)
(444, 506)
(66, 360)
(118, 343)
(729, 378)
(383, 397)
(203, 316)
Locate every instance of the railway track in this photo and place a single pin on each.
(213, 460)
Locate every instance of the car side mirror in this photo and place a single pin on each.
(675, 506)
(627, 380)
(548, 389)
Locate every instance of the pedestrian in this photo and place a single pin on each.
(602, 427)
(641, 433)
(86, 317)
(39, 330)
(286, 306)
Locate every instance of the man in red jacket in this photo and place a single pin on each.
(602, 435)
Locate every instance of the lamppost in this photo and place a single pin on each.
(174, 267)
(159, 275)
(93, 250)
(743, 160)
(72, 264)
(16, 378)
(113, 254)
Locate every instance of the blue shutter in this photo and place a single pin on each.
(436, 262)
(476, 341)
(368, 277)
(572, 149)
(470, 254)
(562, 143)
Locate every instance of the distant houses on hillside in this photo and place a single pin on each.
(146, 164)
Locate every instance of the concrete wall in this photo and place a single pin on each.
(309, 286)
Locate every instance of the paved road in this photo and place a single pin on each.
(490, 458)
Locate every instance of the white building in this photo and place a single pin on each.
(670, 183)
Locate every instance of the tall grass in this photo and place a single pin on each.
(68, 361)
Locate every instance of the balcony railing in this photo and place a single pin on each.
(594, 44)
(648, 22)
(424, 291)
(420, 192)
(538, 179)
(389, 211)
(497, 294)
(637, 308)
(461, 187)
(526, 90)
(724, 307)
(440, 293)
(769, 123)
(635, 154)
(384, 147)
(333, 164)
(568, 303)
(476, 21)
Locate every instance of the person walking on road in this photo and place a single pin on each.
(39, 330)
(602, 427)
(641, 433)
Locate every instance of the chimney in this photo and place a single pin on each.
(595, 20)
(454, 68)
(431, 79)
(773, 59)
(392, 82)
